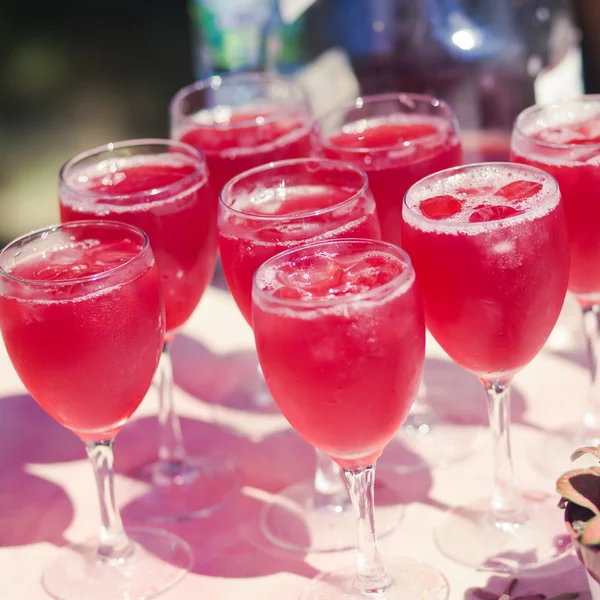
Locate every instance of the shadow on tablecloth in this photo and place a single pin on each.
(565, 576)
(32, 509)
(455, 395)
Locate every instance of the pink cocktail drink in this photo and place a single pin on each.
(247, 140)
(66, 332)
(488, 245)
(242, 121)
(397, 140)
(564, 140)
(273, 208)
(490, 248)
(162, 188)
(263, 212)
(340, 337)
(82, 318)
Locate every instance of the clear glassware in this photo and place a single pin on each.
(490, 248)
(261, 213)
(398, 139)
(161, 186)
(241, 121)
(562, 139)
(75, 299)
(238, 122)
(340, 336)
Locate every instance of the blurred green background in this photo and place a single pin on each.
(76, 74)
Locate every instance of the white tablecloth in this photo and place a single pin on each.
(48, 497)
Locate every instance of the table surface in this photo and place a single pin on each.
(48, 497)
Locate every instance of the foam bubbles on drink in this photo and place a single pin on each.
(61, 261)
(218, 115)
(242, 127)
(571, 129)
(562, 123)
(305, 199)
(113, 171)
(480, 198)
(334, 280)
(299, 225)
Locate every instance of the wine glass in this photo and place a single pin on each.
(564, 140)
(398, 139)
(341, 339)
(242, 120)
(490, 249)
(263, 212)
(162, 187)
(75, 299)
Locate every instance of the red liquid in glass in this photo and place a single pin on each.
(396, 152)
(86, 352)
(180, 221)
(343, 373)
(492, 288)
(246, 243)
(247, 139)
(578, 174)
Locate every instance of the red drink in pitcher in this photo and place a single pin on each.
(162, 188)
(340, 337)
(276, 207)
(488, 243)
(242, 121)
(397, 140)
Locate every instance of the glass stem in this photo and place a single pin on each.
(114, 543)
(371, 576)
(590, 433)
(421, 417)
(506, 500)
(171, 452)
(329, 485)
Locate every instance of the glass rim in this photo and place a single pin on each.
(361, 101)
(270, 167)
(177, 186)
(530, 110)
(204, 84)
(36, 233)
(454, 170)
(403, 278)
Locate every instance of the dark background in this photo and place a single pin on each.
(76, 74)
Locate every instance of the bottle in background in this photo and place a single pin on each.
(230, 35)
(488, 60)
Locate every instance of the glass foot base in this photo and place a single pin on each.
(469, 535)
(551, 454)
(409, 580)
(422, 445)
(295, 521)
(159, 560)
(197, 487)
